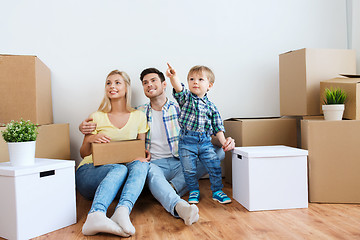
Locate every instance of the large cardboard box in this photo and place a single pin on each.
(334, 160)
(117, 152)
(53, 141)
(301, 72)
(25, 90)
(270, 177)
(259, 132)
(352, 88)
(36, 199)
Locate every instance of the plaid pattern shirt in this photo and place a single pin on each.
(170, 118)
(198, 114)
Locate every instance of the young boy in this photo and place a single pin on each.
(199, 119)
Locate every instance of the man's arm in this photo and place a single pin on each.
(87, 127)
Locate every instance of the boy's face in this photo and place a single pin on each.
(199, 84)
(153, 87)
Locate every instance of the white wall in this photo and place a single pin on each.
(81, 41)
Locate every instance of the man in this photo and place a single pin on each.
(165, 178)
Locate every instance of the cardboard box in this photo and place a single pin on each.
(334, 160)
(270, 177)
(53, 141)
(117, 152)
(352, 88)
(36, 199)
(301, 72)
(25, 90)
(259, 132)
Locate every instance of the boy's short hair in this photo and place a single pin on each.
(202, 69)
(152, 70)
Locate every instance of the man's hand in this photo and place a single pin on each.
(229, 144)
(87, 127)
(144, 159)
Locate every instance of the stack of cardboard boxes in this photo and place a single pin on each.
(26, 93)
(333, 146)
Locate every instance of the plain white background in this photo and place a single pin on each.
(82, 41)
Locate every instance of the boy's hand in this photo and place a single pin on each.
(229, 144)
(170, 72)
(86, 126)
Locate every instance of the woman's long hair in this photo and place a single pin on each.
(105, 105)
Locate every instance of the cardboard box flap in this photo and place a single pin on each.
(350, 75)
(343, 80)
(252, 119)
(270, 151)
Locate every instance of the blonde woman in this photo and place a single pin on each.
(115, 120)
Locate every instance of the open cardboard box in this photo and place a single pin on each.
(351, 85)
(117, 152)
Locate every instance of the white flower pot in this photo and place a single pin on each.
(333, 111)
(22, 153)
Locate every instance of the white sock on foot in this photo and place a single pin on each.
(97, 222)
(189, 213)
(121, 217)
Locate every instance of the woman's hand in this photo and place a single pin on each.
(86, 126)
(99, 138)
(146, 158)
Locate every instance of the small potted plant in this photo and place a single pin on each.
(334, 103)
(21, 139)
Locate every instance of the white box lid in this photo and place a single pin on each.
(40, 165)
(269, 151)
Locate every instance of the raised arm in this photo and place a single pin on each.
(175, 82)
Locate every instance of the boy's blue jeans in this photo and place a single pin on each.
(194, 146)
(102, 183)
(164, 171)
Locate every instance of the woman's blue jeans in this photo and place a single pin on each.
(102, 183)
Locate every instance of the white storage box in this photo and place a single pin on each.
(270, 177)
(36, 199)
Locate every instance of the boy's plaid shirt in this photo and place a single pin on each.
(170, 117)
(198, 114)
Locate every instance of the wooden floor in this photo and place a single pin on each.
(231, 221)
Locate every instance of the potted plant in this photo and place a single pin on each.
(334, 103)
(21, 140)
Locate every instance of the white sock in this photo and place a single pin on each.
(189, 213)
(97, 222)
(121, 217)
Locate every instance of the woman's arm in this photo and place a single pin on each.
(86, 149)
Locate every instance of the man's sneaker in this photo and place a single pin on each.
(194, 196)
(221, 197)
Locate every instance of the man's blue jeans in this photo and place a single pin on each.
(102, 183)
(164, 171)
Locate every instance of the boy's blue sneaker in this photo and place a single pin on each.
(221, 197)
(194, 196)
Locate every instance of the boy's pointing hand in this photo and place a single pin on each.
(170, 72)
